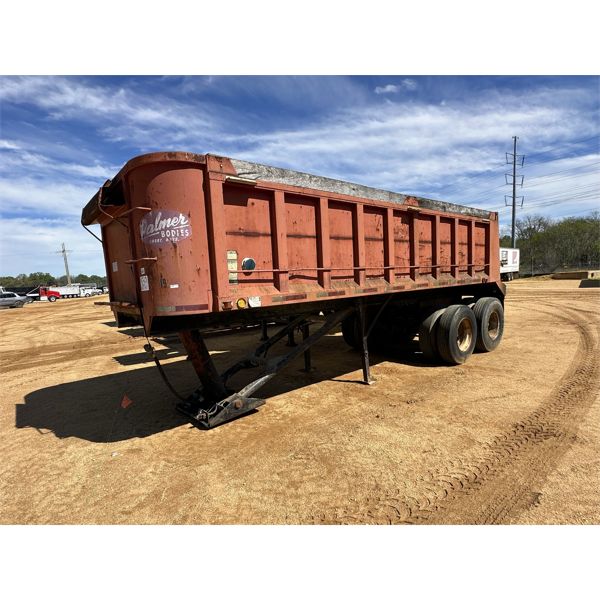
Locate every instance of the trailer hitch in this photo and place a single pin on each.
(213, 414)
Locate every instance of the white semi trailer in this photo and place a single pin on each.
(509, 263)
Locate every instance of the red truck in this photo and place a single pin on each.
(44, 294)
(193, 242)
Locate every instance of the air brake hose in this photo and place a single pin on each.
(150, 349)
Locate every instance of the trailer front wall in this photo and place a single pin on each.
(168, 239)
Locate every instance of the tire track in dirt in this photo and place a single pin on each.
(502, 484)
(51, 354)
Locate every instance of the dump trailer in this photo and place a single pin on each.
(196, 242)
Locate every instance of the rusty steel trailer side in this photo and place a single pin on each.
(194, 241)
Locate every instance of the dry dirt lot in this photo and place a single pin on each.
(510, 437)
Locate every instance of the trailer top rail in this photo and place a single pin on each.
(251, 172)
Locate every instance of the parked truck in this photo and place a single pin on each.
(509, 263)
(52, 293)
(192, 242)
(44, 294)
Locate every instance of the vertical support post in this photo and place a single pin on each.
(323, 244)
(280, 254)
(264, 331)
(290, 336)
(218, 252)
(414, 245)
(305, 334)
(359, 244)
(471, 270)
(435, 250)
(362, 319)
(388, 242)
(212, 384)
(455, 248)
(492, 253)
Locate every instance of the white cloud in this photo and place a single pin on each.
(25, 195)
(409, 85)
(30, 244)
(412, 145)
(106, 107)
(8, 145)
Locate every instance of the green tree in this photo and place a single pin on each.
(573, 242)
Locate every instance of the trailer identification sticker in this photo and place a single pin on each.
(254, 301)
(115, 266)
(162, 226)
(232, 265)
(144, 285)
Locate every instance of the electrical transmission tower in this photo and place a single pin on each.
(517, 160)
(64, 252)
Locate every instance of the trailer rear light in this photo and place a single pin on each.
(241, 303)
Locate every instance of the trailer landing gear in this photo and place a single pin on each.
(214, 403)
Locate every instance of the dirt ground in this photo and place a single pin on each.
(510, 437)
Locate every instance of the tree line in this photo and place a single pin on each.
(549, 245)
(34, 280)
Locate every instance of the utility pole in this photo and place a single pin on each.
(515, 159)
(514, 197)
(64, 252)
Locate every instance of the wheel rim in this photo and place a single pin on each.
(493, 327)
(464, 335)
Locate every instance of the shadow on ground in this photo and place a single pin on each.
(91, 409)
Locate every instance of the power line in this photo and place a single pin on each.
(563, 171)
(573, 143)
(536, 162)
(590, 188)
(576, 198)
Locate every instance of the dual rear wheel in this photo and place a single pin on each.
(449, 335)
(453, 333)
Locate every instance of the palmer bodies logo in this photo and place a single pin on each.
(162, 226)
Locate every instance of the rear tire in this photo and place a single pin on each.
(427, 335)
(490, 323)
(456, 334)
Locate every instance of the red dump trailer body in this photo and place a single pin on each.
(195, 241)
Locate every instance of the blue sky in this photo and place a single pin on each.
(439, 137)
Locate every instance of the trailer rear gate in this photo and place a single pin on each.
(192, 240)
